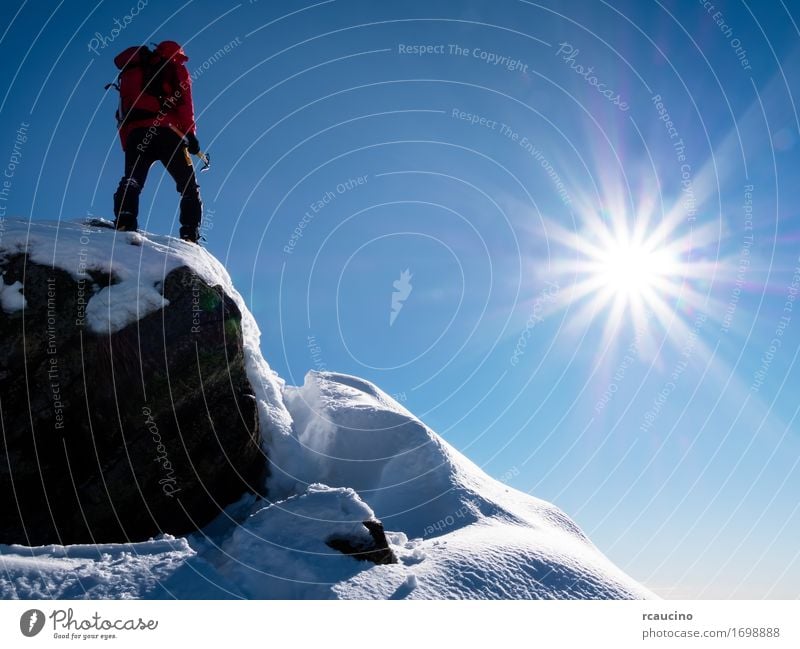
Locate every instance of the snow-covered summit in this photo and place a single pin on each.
(137, 264)
(340, 452)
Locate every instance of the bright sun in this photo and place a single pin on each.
(630, 270)
(643, 274)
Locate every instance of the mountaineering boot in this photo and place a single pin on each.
(124, 225)
(190, 233)
(126, 205)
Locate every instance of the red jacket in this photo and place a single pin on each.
(178, 108)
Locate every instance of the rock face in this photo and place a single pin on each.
(121, 435)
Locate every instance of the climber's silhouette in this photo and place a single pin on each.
(156, 123)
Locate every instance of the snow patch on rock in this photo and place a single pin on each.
(11, 297)
(280, 551)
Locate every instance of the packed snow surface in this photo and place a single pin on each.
(341, 452)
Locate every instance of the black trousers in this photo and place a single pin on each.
(143, 148)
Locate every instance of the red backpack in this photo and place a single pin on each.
(145, 82)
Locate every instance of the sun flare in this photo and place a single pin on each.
(644, 274)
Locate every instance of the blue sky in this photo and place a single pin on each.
(470, 144)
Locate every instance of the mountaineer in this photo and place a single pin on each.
(155, 119)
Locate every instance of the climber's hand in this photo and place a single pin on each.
(192, 145)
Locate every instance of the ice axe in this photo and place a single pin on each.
(200, 154)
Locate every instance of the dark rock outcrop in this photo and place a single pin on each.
(119, 437)
(377, 550)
